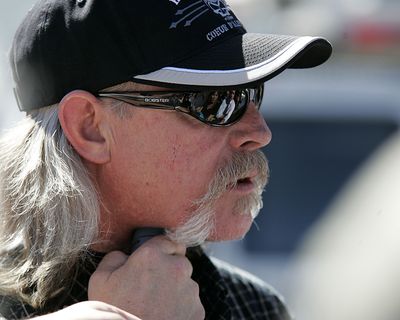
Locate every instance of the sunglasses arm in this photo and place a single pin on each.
(140, 101)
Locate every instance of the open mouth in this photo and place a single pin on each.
(244, 181)
(244, 184)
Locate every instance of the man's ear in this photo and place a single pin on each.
(82, 119)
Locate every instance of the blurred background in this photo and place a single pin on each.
(328, 237)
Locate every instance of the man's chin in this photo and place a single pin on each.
(235, 229)
(249, 205)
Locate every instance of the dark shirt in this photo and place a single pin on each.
(226, 292)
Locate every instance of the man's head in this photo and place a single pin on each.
(231, 94)
(158, 168)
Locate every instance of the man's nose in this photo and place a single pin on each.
(251, 132)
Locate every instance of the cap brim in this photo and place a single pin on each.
(243, 60)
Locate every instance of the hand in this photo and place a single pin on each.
(153, 283)
(89, 310)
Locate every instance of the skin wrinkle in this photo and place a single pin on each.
(175, 148)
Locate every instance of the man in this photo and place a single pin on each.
(107, 148)
(227, 107)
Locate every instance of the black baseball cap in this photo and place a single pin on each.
(63, 45)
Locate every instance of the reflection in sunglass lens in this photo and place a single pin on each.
(219, 107)
(222, 107)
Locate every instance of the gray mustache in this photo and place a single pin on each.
(241, 165)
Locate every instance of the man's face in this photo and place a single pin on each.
(163, 162)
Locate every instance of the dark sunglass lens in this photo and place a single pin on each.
(258, 95)
(186, 100)
(205, 106)
(241, 100)
(223, 107)
(232, 106)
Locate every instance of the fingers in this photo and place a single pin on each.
(153, 283)
(160, 251)
(165, 245)
(116, 259)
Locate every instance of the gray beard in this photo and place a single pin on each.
(201, 223)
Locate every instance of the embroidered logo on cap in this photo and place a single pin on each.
(218, 6)
(193, 11)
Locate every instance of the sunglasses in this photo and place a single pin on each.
(212, 107)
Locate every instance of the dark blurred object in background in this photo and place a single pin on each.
(310, 161)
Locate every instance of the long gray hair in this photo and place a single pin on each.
(49, 209)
